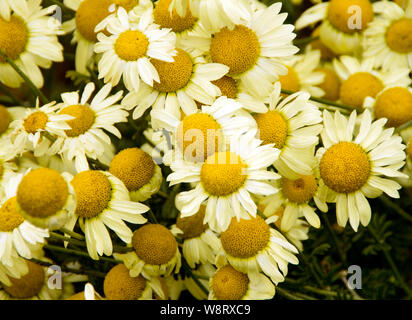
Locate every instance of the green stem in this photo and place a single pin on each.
(395, 207)
(288, 295)
(72, 234)
(152, 216)
(313, 289)
(195, 278)
(335, 239)
(12, 97)
(404, 126)
(6, 101)
(298, 42)
(163, 194)
(78, 253)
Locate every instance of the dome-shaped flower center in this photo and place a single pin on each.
(154, 244)
(198, 136)
(119, 285)
(42, 193)
(131, 45)
(13, 37)
(83, 119)
(223, 173)
(10, 218)
(173, 21)
(239, 48)
(126, 4)
(245, 238)
(5, 119)
(290, 81)
(93, 193)
(35, 122)
(89, 14)
(227, 86)
(395, 104)
(134, 167)
(350, 16)
(272, 128)
(359, 86)
(192, 226)
(326, 53)
(173, 75)
(300, 190)
(330, 84)
(28, 285)
(399, 36)
(345, 167)
(230, 284)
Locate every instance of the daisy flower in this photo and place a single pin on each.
(181, 83)
(127, 51)
(29, 39)
(388, 38)
(360, 80)
(86, 137)
(155, 253)
(18, 269)
(351, 167)
(252, 246)
(226, 180)
(102, 201)
(7, 116)
(293, 126)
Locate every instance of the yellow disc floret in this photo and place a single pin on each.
(173, 75)
(134, 167)
(28, 285)
(119, 285)
(300, 190)
(357, 87)
(192, 226)
(395, 104)
(245, 238)
(330, 84)
(239, 48)
(35, 122)
(89, 14)
(173, 21)
(83, 119)
(42, 193)
(227, 86)
(154, 244)
(230, 284)
(93, 193)
(5, 119)
(131, 45)
(223, 173)
(345, 167)
(10, 218)
(272, 128)
(198, 136)
(399, 36)
(126, 4)
(13, 37)
(290, 81)
(350, 16)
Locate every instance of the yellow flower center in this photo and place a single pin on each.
(399, 36)
(290, 81)
(13, 37)
(10, 218)
(173, 75)
(330, 84)
(326, 53)
(227, 86)
(223, 173)
(239, 48)
(5, 119)
(192, 226)
(175, 22)
(300, 190)
(83, 119)
(89, 14)
(154, 244)
(395, 104)
(126, 4)
(230, 284)
(198, 136)
(131, 45)
(119, 285)
(42, 193)
(344, 15)
(134, 167)
(345, 167)
(245, 238)
(359, 86)
(272, 128)
(28, 285)
(36, 121)
(93, 193)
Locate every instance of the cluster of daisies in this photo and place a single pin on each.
(255, 137)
